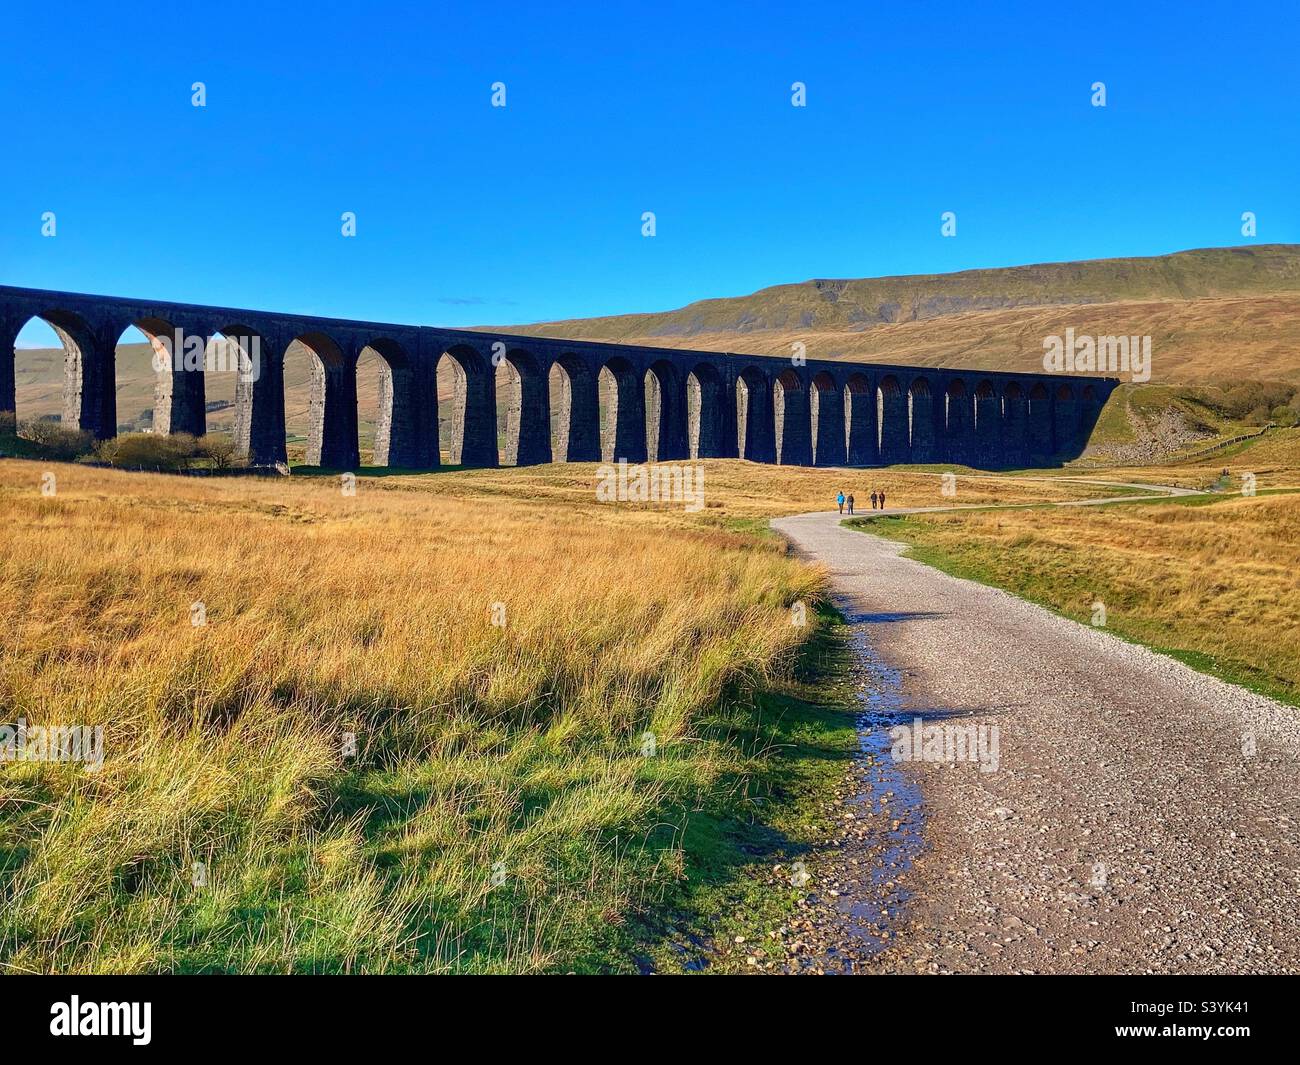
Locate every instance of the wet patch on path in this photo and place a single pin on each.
(857, 891)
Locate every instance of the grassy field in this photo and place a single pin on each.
(478, 721)
(1211, 580)
(511, 753)
(749, 493)
(500, 812)
(484, 753)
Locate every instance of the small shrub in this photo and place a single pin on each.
(1249, 401)
(149, 451)
(219, 449)
(1286, 417)
(59, 442)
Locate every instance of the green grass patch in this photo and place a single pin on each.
(1047, 579)
(799, 743)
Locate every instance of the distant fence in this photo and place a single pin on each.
(1220, 445)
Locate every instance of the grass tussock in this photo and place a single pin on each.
(498, 814)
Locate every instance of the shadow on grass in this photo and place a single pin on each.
(803, 739)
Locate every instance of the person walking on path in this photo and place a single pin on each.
(882, 499)
(850, 504)
(873, 499)
(840, 500)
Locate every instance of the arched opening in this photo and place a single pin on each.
(705, 412)
(374, 399)
(467, 429)
(793, 420)
(40, 385)
(958, 420)
(575, 410)
(523, 410)
(320, 412)
(136, 381)
(988, 426)
(828, 440)
(387, 416)
(920, 420)
(31, 389)
(891, 421)
(159, 379)
(665, 412)
(860, 421)
(755, 428)
(622, 411)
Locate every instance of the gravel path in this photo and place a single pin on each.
(1142, 817)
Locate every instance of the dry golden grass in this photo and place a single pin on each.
(746, 490)
(1218, 582)
(325, 615)
(1273, 459)
(371, 614)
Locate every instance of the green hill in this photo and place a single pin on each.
(854, 306)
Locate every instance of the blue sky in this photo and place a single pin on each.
(471, 214)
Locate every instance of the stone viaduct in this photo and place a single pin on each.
(567, 401)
